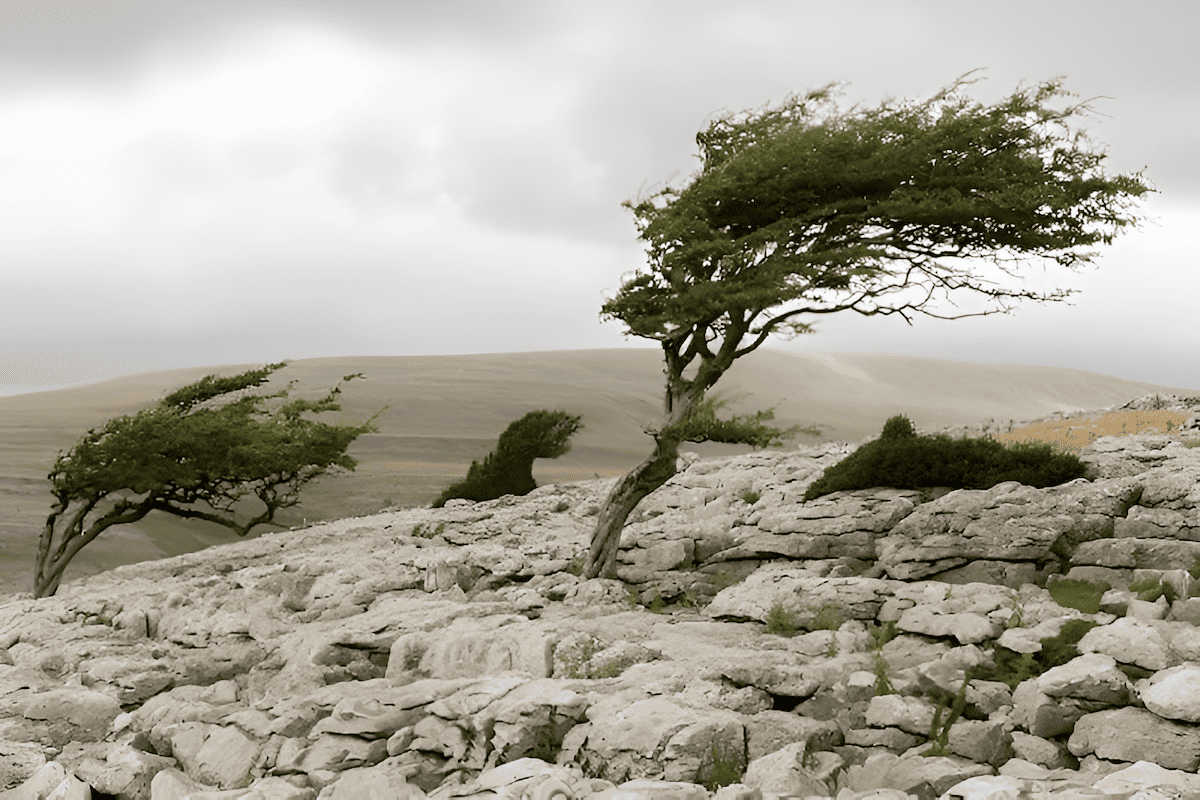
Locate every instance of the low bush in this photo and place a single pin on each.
(780, 621)
(900, 459)
(1077, 594)
(1014, 668)
(509, 468)
(1151, 589)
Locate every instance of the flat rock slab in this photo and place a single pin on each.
(1008, 522)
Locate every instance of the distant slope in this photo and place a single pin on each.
(447, 410)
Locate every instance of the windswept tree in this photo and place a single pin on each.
(193, 456)
(805, 209)
(509, 468)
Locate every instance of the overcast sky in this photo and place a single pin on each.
(196, 183)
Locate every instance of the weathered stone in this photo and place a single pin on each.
(1174, 693)
(981, 741)
(472, 652)
(965, 628)
(1037, 750)
(1144, 774)
(335, 753)
(911, 714)
(892, 739)
(1134, 734)
(214, 754)
(18, 762)
(1130, 642)
(378, 781)
(292, 659)
(925, 777)
(1042, 715)
(768, 731)
(805, 595)
(1008, 522)
(369, 718)
(1092, 676)
(783, 773)
(68, 715)
(1136, 553)
(114, 769)
(51, 782)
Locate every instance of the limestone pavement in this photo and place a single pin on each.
(755, 645)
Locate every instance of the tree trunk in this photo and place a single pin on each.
(639, 482)
(44, 586)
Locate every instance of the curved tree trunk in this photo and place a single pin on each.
(639, 482)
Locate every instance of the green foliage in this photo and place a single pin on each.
(904, 461)
(883, 683)
(829, 617)
(898, 427)
(701, 424)
(1058, 650)
(721, 772)
(1151, 589)
(509, 468)
(657, 605)
(805, 209)
(780, 621)
(1078, 594)
(1018, 616)
(790, 202)
(575, 661)
(750, 498)
(1014, 668)
(882, 633)
(939, 731)
(193, 457)
(1195, 570)
(428, 531)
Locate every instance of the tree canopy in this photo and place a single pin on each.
(509, 468)
(804, 209)
(192, 456)
(878, 211)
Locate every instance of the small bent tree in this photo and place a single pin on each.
(806, 209)
(509, 468)
(192, 457)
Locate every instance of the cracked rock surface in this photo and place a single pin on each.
(800, 648)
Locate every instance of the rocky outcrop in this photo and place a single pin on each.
(872, 642)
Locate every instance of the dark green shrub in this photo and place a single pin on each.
(780, 621)
(1058, 650)
(902, 460)
(509, 468)
(1014, 668)
(1079, 595)
(1153, 588)
(898, 427)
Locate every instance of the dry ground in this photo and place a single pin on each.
(1072, 435)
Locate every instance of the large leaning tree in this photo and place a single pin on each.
(805, 209)
(196, 454)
